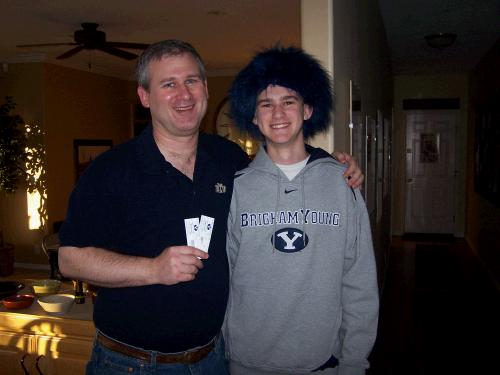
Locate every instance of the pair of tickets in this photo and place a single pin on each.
(199, 231)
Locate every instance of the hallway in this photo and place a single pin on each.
(439, 312)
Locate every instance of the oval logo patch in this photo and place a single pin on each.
(290, 240)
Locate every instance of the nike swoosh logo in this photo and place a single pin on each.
(289, 191)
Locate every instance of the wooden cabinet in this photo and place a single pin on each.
(12, 349)
(59, 345)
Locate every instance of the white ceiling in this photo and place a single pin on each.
(476, 23)
(227, 32)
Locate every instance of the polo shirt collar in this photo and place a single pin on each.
(152, 159)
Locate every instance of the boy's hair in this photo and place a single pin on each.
(289, 67)
(165, 48)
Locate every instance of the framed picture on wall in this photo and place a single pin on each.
(487, 150)
(86, 150)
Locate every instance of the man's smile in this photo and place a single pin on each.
(184, 108)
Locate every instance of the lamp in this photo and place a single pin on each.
(440, 40)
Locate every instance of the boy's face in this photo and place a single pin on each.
(280, 114)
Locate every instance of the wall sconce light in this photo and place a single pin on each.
(440, 40)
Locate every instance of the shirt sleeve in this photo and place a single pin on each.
(242, 159)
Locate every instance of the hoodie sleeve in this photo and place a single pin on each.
(360, 301)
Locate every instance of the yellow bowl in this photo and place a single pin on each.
(57, 303)
(45, 287)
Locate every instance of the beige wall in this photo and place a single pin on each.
(348, 37)
(317, 39)
(361, 54)
(217, 90)
(69, 104)
(419, 87)
(78, 105)
(24, 83)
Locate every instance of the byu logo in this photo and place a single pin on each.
(220, 188)
(290, 240)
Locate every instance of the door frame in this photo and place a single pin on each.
(459, 185)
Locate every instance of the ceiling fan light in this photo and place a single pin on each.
(440, 40)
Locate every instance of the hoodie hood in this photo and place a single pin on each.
(263, 163)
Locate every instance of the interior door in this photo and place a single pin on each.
(430, 171)
(371, 160)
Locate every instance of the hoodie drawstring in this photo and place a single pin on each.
(278, 191)
(302, 188)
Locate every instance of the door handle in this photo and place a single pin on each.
(409, 180)
(26, 372)
(36, 364)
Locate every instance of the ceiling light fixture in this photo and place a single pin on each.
(440, 40)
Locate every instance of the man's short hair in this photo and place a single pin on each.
(159, 50)
(289, 67)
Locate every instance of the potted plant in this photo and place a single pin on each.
(22, 156)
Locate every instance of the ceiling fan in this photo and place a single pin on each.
(91, 38)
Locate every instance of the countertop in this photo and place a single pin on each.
(78, 312)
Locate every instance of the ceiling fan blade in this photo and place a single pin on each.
(117, 52)
(70, 53)
(46, 45)
(128, 45)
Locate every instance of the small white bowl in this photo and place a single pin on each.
(57, 303)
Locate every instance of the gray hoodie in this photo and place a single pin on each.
(303, 275)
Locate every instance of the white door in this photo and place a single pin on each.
(430, 171)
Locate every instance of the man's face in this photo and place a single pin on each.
(177, 95)
(280, 114)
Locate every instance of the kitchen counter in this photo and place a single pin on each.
(59, 344)
(82, 311)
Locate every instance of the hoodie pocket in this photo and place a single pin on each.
(277, 329)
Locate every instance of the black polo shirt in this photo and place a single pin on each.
(131, 201)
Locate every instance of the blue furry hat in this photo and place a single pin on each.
(288, 67)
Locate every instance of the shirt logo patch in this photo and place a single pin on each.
(220, 188)
(289, 191)
(289, 240)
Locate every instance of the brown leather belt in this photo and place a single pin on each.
(187, 357)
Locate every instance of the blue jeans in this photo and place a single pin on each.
(108, 362)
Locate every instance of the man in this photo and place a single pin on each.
(161, 304)
(303, 293)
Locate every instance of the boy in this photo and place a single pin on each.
(303, 293)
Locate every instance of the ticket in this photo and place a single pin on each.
(192, 226)
(205, 232)
(199, 231)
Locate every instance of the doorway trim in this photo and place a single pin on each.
(455, 151)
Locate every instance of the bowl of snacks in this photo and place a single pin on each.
(57, 303)
(45, 287)
(18, 301)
